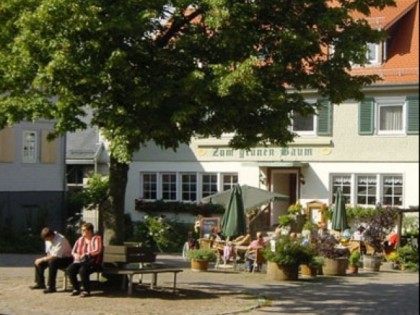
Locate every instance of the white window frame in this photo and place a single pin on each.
(307, 133)
(202, 183)
(189, 183)
(379, 177)
(233, 180)
(382, 183)
(345, 194)
(173, 181)
(29, 146)
(370, 184)
(199, 193)
(373, 49)
(156, 184)
(388, 102)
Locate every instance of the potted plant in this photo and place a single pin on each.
(283, 262)
(200, 258)
(354, 262)
(295, 208)
(285, 222)
(408, 257)
(335, 256)
(392, 260)
(313, 267)
(382, 220)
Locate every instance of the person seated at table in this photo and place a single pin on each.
(322, 229)
(251, 252)
(228, 252)
(390, 242)
(358, 235)
(215, 234)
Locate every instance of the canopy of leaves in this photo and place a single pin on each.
(149, 71)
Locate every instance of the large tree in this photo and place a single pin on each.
(152, 71)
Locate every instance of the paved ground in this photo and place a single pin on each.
(216, 293)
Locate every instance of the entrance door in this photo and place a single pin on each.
(283, 181)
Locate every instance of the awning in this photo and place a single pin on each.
(283, 164)
(253, 197)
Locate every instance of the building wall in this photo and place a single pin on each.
(32, 194)
(316, 158)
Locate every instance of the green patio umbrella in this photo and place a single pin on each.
(339, 216)
(234, 220)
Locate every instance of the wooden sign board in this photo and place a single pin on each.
(206, 224)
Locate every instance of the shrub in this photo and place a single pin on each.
(327, 247)
(160, 206)
(201, 254)
(289, 252)
(286, 220)
(408, 254)
(354, 258)
(381, 221)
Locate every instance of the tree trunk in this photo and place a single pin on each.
(113, 209)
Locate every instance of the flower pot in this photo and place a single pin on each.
(353, 268)
(199, 265)
(282, 272)
(308, 271)
(371, 262)
(335, 267)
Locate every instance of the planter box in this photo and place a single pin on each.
(282, 273)
(199, 265)
(372, 263)
(335, 267)
(308, 271)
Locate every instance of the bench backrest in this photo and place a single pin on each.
(122, 254)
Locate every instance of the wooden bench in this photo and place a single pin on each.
(121, 257)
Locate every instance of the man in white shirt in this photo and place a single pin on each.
(58, 256)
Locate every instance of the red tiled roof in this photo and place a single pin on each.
(402, 64)
(389, 15)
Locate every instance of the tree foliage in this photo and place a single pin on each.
(152, 72)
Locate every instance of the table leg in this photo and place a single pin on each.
(130, 284)
(174, 289)
(154, 280)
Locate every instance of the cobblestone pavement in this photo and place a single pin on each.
(220, 292)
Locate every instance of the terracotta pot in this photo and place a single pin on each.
(371, 262)
(309, 271)
(199, 265)
(335, 267)
(282, 272)
(354, 269)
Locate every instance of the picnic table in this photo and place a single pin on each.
(154, 270)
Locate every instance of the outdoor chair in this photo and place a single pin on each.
(219, 248)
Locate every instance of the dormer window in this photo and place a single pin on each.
(372, 55)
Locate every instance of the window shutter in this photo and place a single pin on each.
(413, 115)
(48, 149)
(324, 118)
(366, 117)
(7, 145)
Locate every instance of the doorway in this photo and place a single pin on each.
(283, 181)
